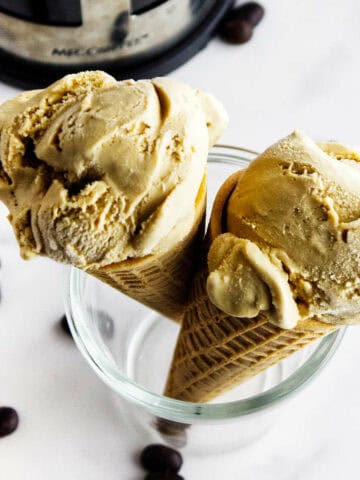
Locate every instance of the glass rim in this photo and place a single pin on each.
(178, 410)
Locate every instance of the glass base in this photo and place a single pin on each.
(147, 361)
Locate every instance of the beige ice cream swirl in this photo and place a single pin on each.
(292, 247)
(95, 171)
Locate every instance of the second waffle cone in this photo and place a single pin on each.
(215, 351)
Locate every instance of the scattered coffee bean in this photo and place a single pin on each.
(237, 26)
(9, 421)
(235, 30)
(106, 324)
(163, 476)
(65, 326)
(161, 459)
(251, 12)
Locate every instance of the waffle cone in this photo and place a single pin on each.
(216, 351)
(162, 281)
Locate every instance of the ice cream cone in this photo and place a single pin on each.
(216, 351)
(110, 177)
(162, 281)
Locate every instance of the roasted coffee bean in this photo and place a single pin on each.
(163, 476)
(65, 326)
(9, 420)
(235, 30)
(160, 458)
(251, 12)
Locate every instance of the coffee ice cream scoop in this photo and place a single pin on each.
(292, 247)
(95, 171)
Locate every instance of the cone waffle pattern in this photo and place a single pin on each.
(215, 351)
(162, 282)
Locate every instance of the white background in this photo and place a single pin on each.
(300, 70)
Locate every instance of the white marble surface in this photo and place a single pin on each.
(301, 70)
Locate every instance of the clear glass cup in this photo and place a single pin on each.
(130, 347)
